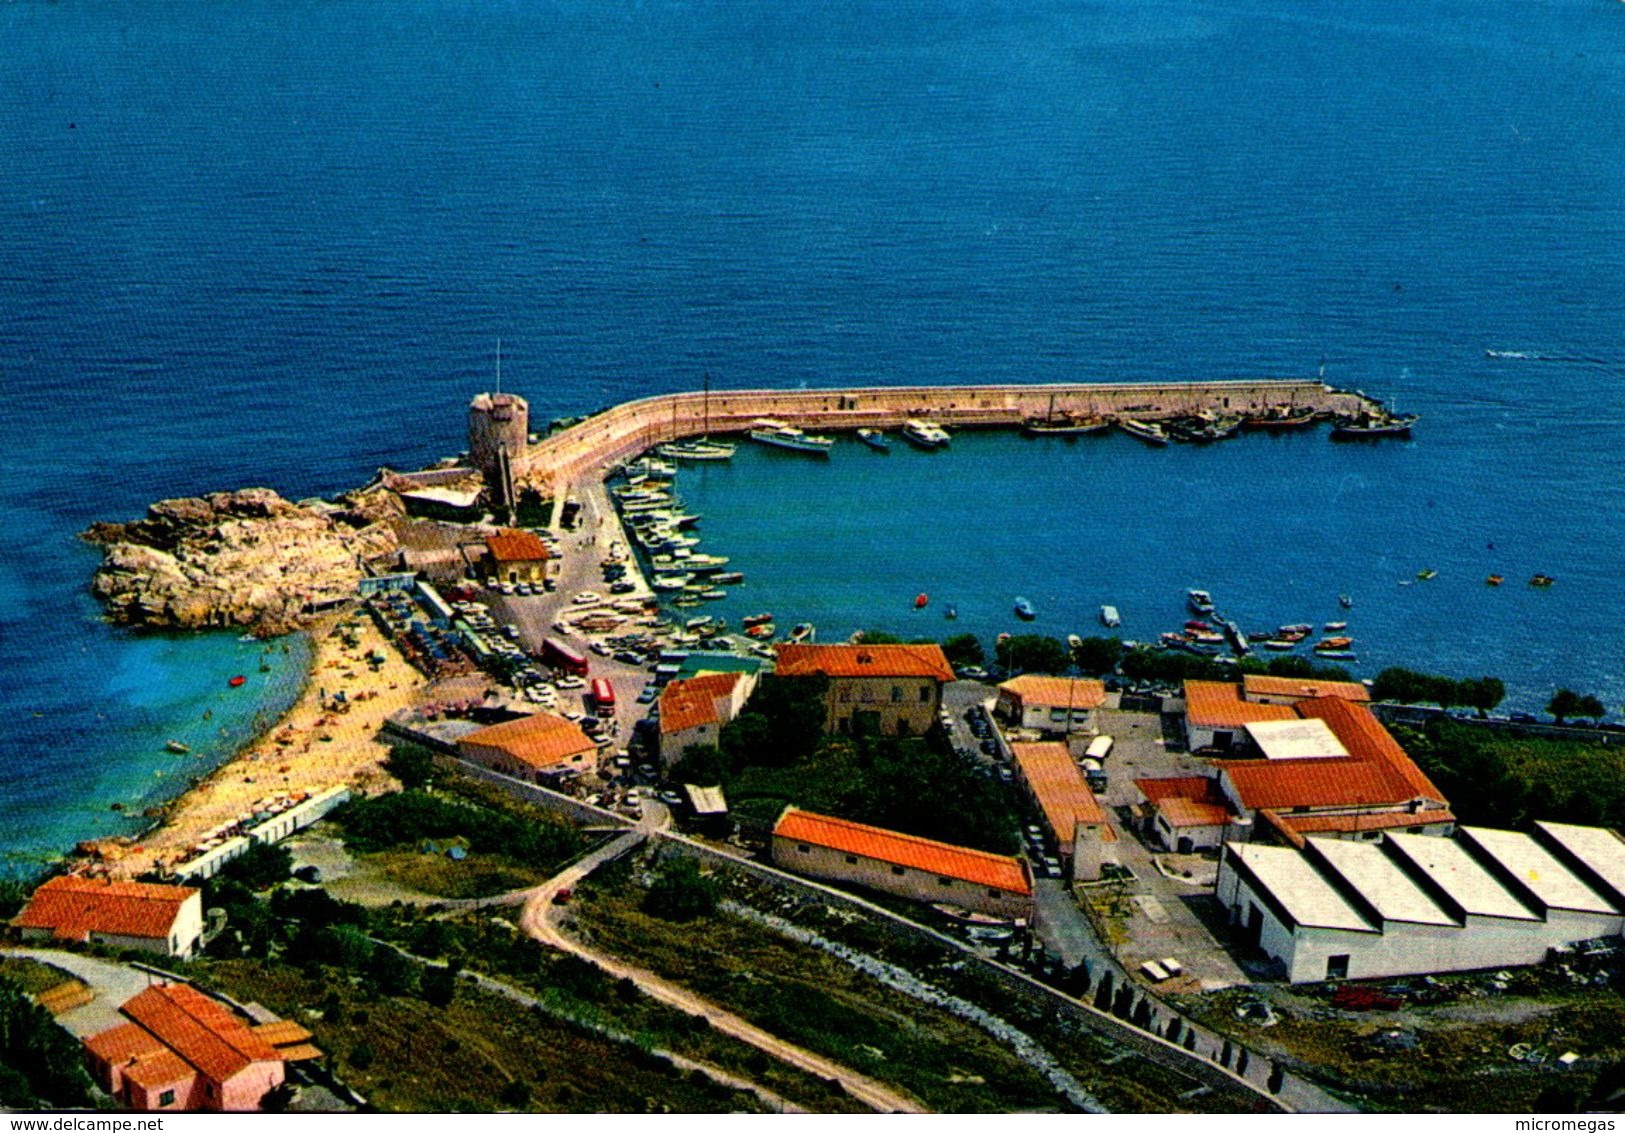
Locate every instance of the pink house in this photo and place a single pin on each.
(184, 1051)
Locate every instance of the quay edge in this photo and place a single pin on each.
(584, 450)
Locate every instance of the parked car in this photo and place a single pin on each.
(627, 657)
(621, 588)
(587, 598)
(648, 694)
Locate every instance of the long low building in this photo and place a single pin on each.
(165, 919)
(1059, 705)
(1408, 905)
(1073, 816)
(534, 748)
(904, 865)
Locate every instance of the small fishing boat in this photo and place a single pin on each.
(1494, 580)
(697, 450)
(920, 600)
(1302, 629)
(761, 631)
(1280, 646)
(1198, 626)
(1109, 617)
(1345, 601)
(696, 623)
(1200, 601)
(713, 595)
(1373, 425)
(238, 681)
(802, 634)
(1335, 627)
(177, 747)
(1281, 420)
(778, 434)
(1336, 655)
(1073, 641)
(951, 612)
(1150, 433)
(729, 578)
(1426, 573)
(1333, 643)
(1542, 580)
(1024, 610)
(875, 439)
(755, 620)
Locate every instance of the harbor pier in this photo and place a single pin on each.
(581, 452)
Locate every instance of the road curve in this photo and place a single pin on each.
(538, 920)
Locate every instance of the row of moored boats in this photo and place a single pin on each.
(1209, 633)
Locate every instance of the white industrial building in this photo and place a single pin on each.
(1407, 905)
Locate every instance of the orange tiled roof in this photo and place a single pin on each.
(510, 546)
(199, 1029)
(995, 871)
(1059, 788)
(542, 740)
(690, 703)
(1296, 826)
(1056, 692)
(74, 907)
(1281, 784)
(1365, 738)
(1218, 704)
(282, 1032)
(1187, 801)
(1262, 685)
(122, 1043)
(864, 661)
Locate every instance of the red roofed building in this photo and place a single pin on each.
(693, 711)
(533, 748)
(516, 556)
(1051, 704)
(904, 865)
(891, 689)
(1071, 813)
(1187, 814)
(166, 919)
(1262, 689)
(1215, 712)
(182, 1050)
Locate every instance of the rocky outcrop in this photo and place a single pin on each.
(245, 558)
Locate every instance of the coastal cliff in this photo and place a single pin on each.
(244, 558)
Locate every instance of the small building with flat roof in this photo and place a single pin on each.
(904, 865)
(1294, 739)
(1054, 705)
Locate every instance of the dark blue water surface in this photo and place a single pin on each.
(274, 243)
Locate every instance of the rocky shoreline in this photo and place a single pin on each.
(247, 558)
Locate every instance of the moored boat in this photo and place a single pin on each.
(696, 450)
(756, 619)
(1024, 610)
(1064, 426)
(1542, 580)
(1369, 425)
(1281, 420)
(920, 600)
(729, 578)
(1073, 641)
(875, 439)
(924, 434)
(1149, 432)
(237, 681)
(1336, 655)
(777, 434)
(1109, 617)
(1279, 645)
(802, 633)
(1200, 601)
(1335, 627)
(177, 747)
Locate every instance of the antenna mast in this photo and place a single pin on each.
(499, 365)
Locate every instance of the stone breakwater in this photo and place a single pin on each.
(244, 558)
(576, 454)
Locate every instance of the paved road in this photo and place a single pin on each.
(114, 984)
(539, 920)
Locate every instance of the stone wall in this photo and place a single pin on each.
(583, 450)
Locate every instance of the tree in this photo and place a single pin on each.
(260, 866)
(963, 650)
(1098, 655)
(413, 766)
(1034, 653)
(1565, 702)
(41, 1067)
(1483, 694)
(704, 765)
(880, 637)
(438, 986)
(1591, 708)
(680, 892)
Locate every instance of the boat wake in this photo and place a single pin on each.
(1541, 356)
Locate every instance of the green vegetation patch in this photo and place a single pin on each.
(34, 977)
(41, 1065)
(811, 999)
(480, 1052)
(1502, 779)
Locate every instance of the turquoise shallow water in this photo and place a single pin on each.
(274, 243)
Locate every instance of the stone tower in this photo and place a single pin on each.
(498, 432)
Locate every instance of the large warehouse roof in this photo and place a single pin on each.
(1461, 878)
(1304, 895)
(1603, 851)
(1534, 867)
(1379, 881)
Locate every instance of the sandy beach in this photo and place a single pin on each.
(311, 748)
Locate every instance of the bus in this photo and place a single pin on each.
(561, 656)
(603, 694)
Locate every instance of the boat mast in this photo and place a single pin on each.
(1049, 417)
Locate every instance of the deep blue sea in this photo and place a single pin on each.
(275, 243)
